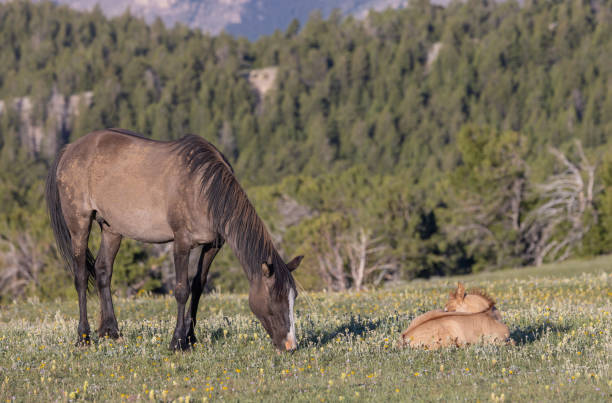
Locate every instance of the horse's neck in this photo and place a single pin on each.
(478, 301)
(251, 252)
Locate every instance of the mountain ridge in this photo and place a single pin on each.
(248, 18)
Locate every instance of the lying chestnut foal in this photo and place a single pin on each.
(458, 327)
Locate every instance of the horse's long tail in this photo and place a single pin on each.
(58, 223)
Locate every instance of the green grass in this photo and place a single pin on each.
(559, 316)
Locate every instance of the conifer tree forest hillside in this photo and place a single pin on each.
(417, 142)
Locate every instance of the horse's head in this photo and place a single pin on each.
(456, 299)
(472, 302)
(275, 309)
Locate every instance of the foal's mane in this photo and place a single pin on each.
(433, 315)
(231, 212)
(483, 294)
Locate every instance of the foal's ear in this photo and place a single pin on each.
(266, 269)
(293, 264)
(460, 291)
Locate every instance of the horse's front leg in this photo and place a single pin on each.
(209, 251)
(182, 246)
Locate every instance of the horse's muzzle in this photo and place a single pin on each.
(290, 344)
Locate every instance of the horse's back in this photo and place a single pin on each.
(425, 317)
(434, 315)
(129, 181)
(107, 146)
(429, 330)
(433, 333)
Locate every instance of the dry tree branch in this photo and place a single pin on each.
(567, 197)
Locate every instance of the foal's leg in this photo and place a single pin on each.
(209, 251)
(182, 247)
(79, 227)
(104, 271)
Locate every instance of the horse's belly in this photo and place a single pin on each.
(139, 223)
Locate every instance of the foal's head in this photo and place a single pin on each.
(471, 302)
(274, 309)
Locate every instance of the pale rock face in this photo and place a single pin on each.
(378, 5)
(42, 137)
(432, 55)
(156, 3)
(263, 80)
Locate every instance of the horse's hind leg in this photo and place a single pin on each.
(209, 251)
(79, 227)
(182, 247)
(104, 271)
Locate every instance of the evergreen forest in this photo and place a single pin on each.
(419, 142)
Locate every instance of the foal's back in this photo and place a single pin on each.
(442, 329)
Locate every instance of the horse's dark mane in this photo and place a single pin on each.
(232, 214)
(131, 133)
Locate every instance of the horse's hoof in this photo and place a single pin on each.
(191, 339)
(110, 333)
(109, 328)
(83, 341)
(179, 345)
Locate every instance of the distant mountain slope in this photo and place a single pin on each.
(250, 18)
(262, 17)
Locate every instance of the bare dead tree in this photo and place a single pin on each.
(480, 217)
(518, 196)
(368, 256)
(331, 264)
(558, 225)
(351, 258)
(21, 262)
(489, 217)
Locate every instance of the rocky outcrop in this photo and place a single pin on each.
(263, 80)
(432, 55)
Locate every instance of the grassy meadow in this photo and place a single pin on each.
(559, 316)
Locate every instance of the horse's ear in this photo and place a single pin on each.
(266, 269)
(294, 263)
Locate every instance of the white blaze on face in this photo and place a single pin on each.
(290, 342)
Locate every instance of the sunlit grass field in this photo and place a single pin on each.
(559, 316)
